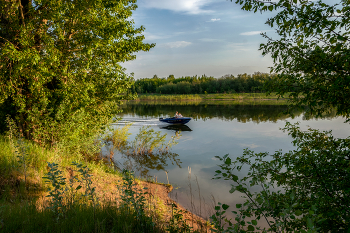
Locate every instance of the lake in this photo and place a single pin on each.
(215, 130)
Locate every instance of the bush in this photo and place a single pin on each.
(307, 188)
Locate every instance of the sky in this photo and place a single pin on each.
(197, 37)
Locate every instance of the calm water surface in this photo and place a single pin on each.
(215, 130)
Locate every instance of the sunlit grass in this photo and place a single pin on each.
(25, 207)
(168, 97)
(26, 217)
(207, 97)
(211, 102)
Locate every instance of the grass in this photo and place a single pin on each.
(25, 217)
(217, 99)
(168, 97)
(87, 197)
(201, 97)
(209, 102)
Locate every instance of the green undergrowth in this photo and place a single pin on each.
(221, 102)
(51, 190)
(26, 218)
(168, 97)
(200, 97)
(217, 99)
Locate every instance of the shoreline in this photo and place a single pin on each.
(157, 197)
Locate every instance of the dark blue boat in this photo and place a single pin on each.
(176, 120)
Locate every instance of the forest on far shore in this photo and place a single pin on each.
(252, 83)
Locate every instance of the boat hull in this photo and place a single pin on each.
(174, 120)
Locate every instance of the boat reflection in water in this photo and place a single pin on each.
(176, 127)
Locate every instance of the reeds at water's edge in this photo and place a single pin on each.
(25, 206)
(203, 97)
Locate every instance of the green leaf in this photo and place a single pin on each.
(310, 224)
(251, 228)
(234, 178)
(228, 161)
(298, 212)
(225, 207)
(341, 38)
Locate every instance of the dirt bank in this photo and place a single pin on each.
(158, 200)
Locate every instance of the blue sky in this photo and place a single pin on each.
(196, 37)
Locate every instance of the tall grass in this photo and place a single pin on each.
(68, 201)
(26, 217)
(200, 97)
(230, 102)
(169, 97)
(217, 99)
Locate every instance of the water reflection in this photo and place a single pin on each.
(216, 129)
(242, 113)
(154, 161)
(177, 127)
(148, 151)
(224, 110)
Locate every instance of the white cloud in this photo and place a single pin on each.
(251, 33)
(244, 47)
(211, 40)
(213, 20)
(186, 6)
(151, 36)
(177, 44)
(160, 36)
(251, 146)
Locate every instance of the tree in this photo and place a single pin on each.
(60, 77)
(307, 189)
(311, 53)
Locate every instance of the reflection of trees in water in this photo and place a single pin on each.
(225, 111)
(242, 113)
(152, 161)
(148, 151)
(327, 114)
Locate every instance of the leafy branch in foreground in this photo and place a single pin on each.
(311, 51)
(132, 196)
(65, 195)
(304, 190)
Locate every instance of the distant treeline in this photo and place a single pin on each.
(202, 84)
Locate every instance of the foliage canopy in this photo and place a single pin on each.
(202, 84)
(311, 51)
(60, 77)
(307, 189)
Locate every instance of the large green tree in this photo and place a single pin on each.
(311, 51)
(60, 72)
(307, 189)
